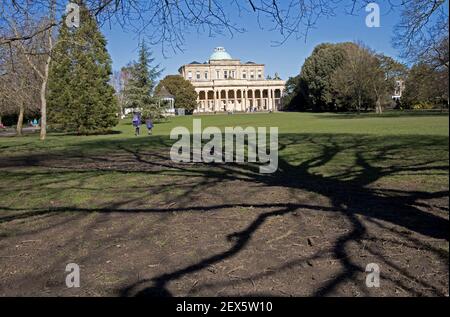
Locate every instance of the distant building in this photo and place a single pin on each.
(225, 84)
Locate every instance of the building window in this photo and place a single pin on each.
(233, 74)
(189, 75)
(198, 75)
(252, 74)
(244, 74)
(218, 74)
(259, 74)
(225, 74)
(206, 75)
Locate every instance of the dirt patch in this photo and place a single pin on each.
(225, 231)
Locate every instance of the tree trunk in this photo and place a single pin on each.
(359, 103)
(44, 89)
(377, 106)
(45, 75)
(44, 106)
(20, 120)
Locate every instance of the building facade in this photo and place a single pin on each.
(225, 84)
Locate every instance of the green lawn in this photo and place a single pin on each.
(408, 137)
(390, 124)
(387, 141)
(387, 168)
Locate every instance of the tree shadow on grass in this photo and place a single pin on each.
(366, 160)
(350, 197)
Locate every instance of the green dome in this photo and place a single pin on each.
(220, 54)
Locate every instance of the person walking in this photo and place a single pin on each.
(149, 124)
(137, 123)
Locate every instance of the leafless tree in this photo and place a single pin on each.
(118, 81)
(19, 86)
(167, 21)
(31, 28)
(423, 30)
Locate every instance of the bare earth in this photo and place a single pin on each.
(225, 231)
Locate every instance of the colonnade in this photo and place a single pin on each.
(239, 99)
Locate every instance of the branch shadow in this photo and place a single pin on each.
(351, 193)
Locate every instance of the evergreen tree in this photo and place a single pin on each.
(315, 76)
(80, 98)
(138, 91)
(59, 95)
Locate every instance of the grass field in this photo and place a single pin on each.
(350, 190)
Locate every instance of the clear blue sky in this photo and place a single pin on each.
(257, 45)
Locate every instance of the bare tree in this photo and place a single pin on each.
(19, 86)
(119, 81)
(366, 78)
(167, 21)
(351, 82)
(423, 30)
(31, 24)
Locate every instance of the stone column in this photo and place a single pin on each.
(271, 98)
(254, 98)
(206, 101)
(219, 101)
(198, 100)
(274, 100)
(260, 99)
(281, 95)
(235, 100)
(264, 100)
(226, 100)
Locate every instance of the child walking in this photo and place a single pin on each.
(149, 124)
(137, 123)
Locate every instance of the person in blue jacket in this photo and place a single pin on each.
(137, 123)
(149, 124)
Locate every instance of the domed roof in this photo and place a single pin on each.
(220, 54)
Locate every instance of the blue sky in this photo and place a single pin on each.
(257, 45)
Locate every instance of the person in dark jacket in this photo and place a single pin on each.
(149, 124)
(137, 123)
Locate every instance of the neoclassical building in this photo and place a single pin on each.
(226, 84)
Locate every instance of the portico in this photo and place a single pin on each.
(226, 97)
